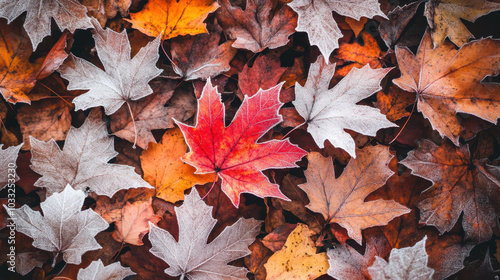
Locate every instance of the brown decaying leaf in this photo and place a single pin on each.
(155, 111)
(390, 30)
(460, 184)
(393, 102)
(253, 27)
(444, 17)
(172, 18)
(298, 258)
(341, 200)
(256, 260)
(264, 74)
(164, 169)
(277, 238)
(103, 10)
(45, 119)
(360, 55)
(448, 81)
(356, 25)
(134, 222)
(201, 56)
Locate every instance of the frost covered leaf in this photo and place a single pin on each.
(315, 18)
(192, 257)
(329, 111)
(342, 200)
(123, 80)
(63, 228)
(298, 258)
(83, 163)
(405, 263)
(68, 14)
(8, 159)
(97, 271)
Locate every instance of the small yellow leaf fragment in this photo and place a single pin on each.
(297, 259)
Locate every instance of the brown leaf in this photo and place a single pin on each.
(356, 25)
(155, 111)
(46, 119)
(459, 185)
(342, 200)
(134, 222)
(360, 54)
(264, 74)
(444, 17)
(253, 27)
(201, 56)
(256, 260)
(393, 102)
(107, 9)
(164, 169)
(448, 81)
(390, 30)
(276, 239)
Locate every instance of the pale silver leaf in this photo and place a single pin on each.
(8, 159)
(97, 271)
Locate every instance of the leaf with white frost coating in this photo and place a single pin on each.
(329, 111)
(97, 271)
(8, 159)
(192, 257)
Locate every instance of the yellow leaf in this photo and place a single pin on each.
(173, 18)
(164, 169)
(297, 259)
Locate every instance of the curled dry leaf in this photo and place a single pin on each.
(329, 111)
(123, 80)
(97, 271)
(460, 184)
(164, 169)
(67, 14)
(253, 27)
(341, 200)
(315, 18)
(448, 81)
(134, 222)
(298, 258)
(233, 152)
(406, 263)
(63, 228)
(172, 18)
(191, 256)
(83, 163)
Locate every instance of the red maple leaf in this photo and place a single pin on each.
(233, 152)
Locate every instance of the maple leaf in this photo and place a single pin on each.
(97, 271)
(347, 263)
(315, 18)
(406, 263)
(68, 14)
(360, 55)
(164, 169)
(19, 72)
(232, 152)
(393, 101)
(341, 200)
(448, 81)
(264, 74)
(191, 256)
(444, 17)
(83, 162)
(63, 228)
(253, 28)
(201, 56)
(172, 18)
(329, 111)
(104, 10)
(298, 258)
(151, 112)
(123, 80)
(460, 184)
(391, 30)
(8, 159)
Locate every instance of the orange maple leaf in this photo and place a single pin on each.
(233, 152)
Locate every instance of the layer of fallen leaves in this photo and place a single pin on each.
(249, 139)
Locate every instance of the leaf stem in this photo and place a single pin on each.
(407, 120)
(293, 130)
(213, 184)
(133, 121)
